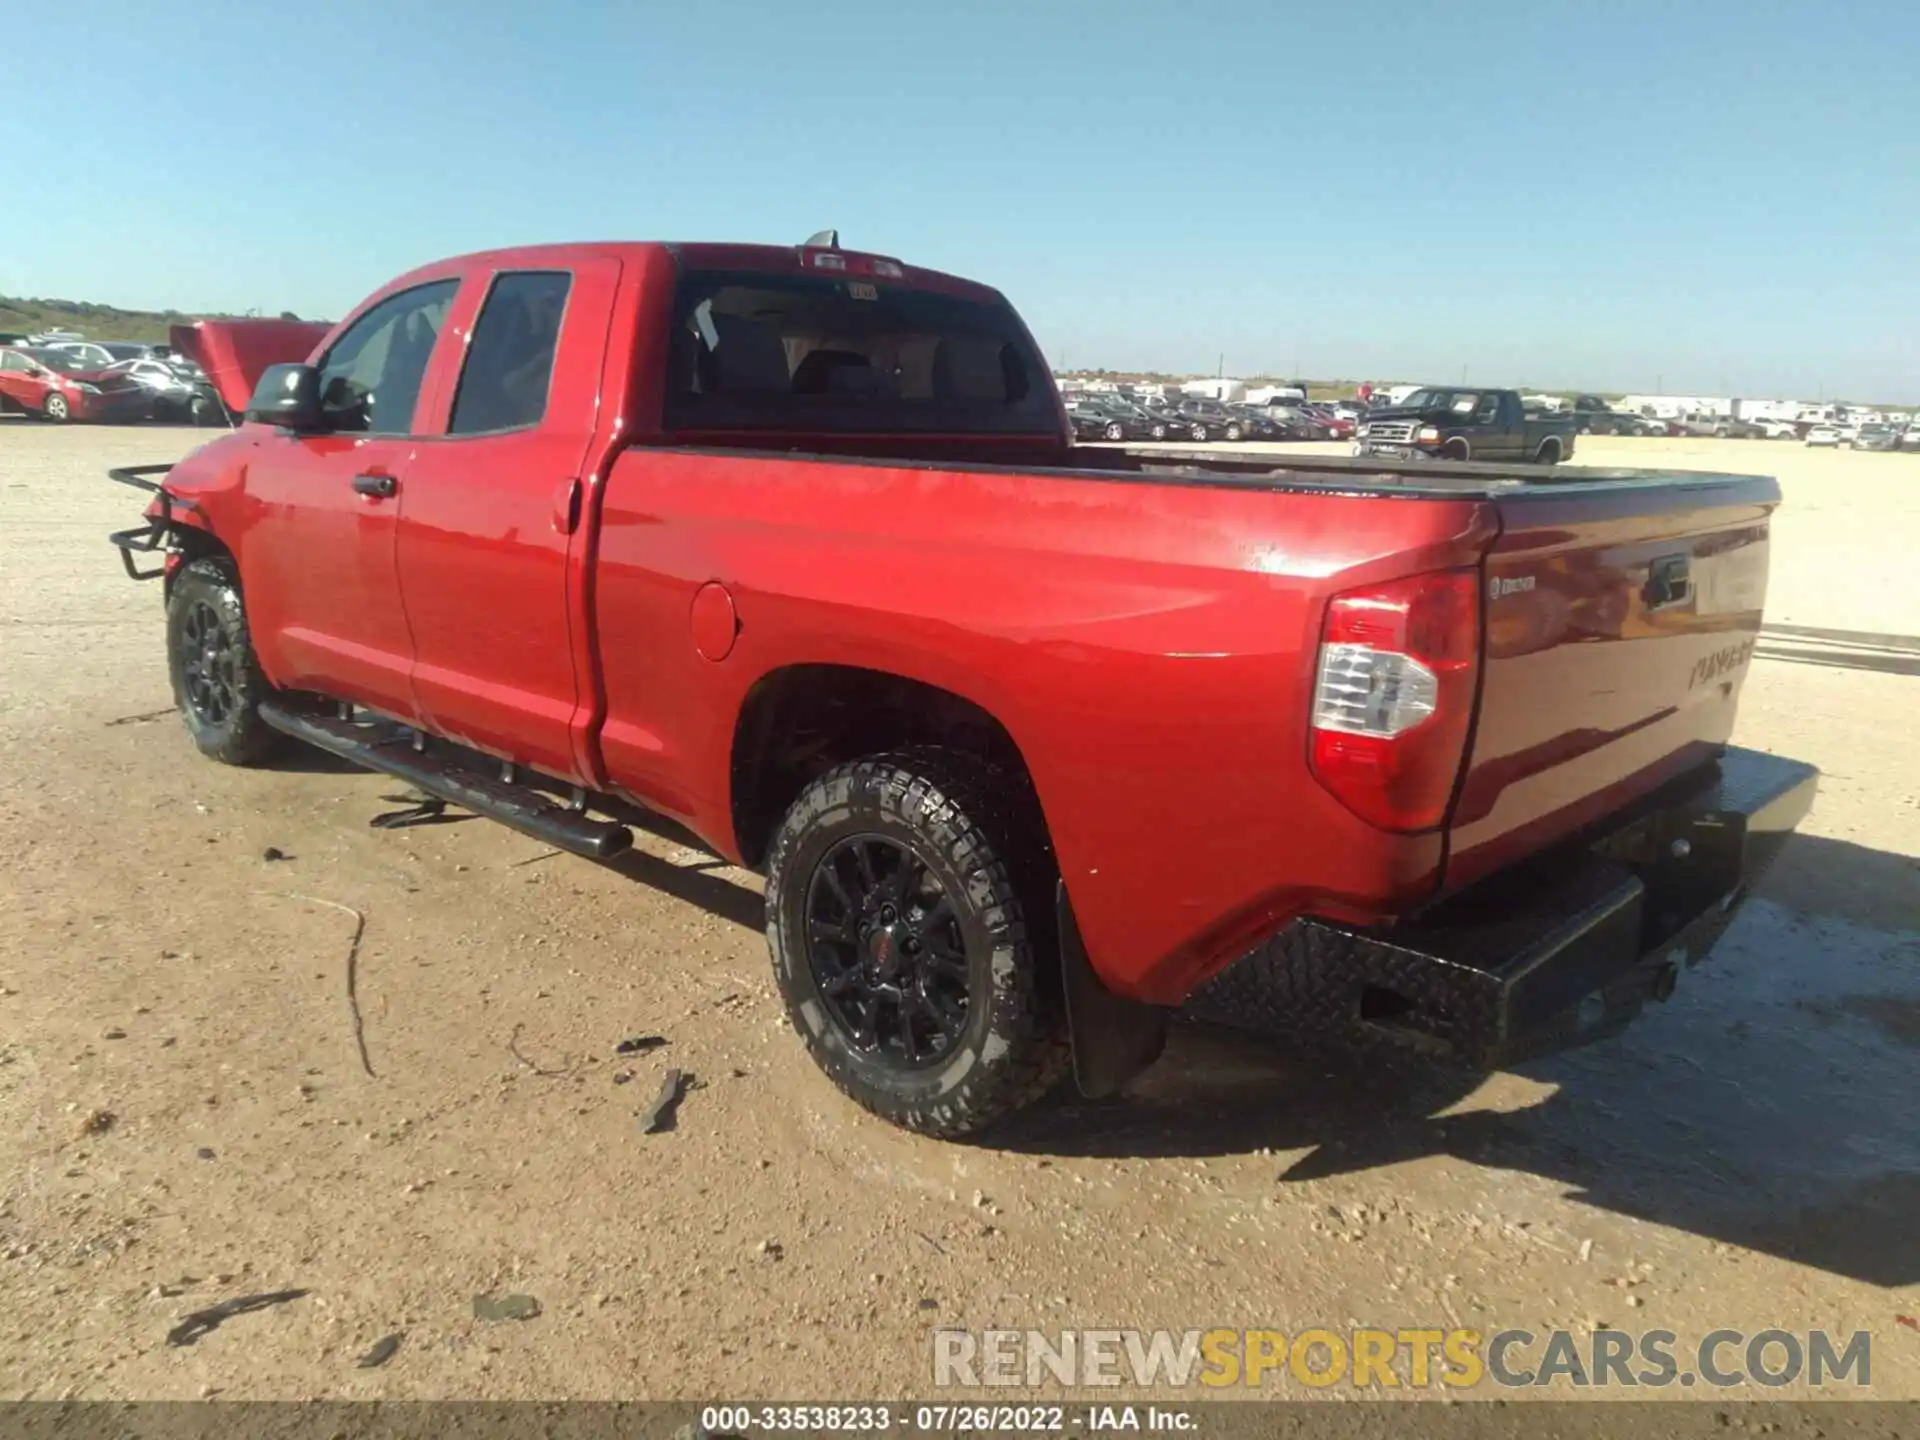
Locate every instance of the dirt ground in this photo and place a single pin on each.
(1746, 1157)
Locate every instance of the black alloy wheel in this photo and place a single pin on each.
(886, 953)
(909, 922)
(217, 681)
(209, 665)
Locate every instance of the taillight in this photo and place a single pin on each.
(1393, 696)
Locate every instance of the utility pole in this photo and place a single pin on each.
(1220, 370)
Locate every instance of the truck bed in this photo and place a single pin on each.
(1448, 479)
(1144, 624)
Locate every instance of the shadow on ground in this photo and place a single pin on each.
(1769, 1105)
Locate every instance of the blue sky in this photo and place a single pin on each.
(1722, 196)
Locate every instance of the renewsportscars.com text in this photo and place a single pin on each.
(1391, 1359)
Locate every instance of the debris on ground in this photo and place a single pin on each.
(1908, 1321)
(353, 967)
(531, 859)
(142, 718)
(274, 852)
(621, 1077)
(659, 1117)
(384, 1349)
(205, 1152)
(639, 1044)
(204, 1322)
(113, 1032)
(773, 1249)
(505, 1307)
(97, 1122)
(513, 1049)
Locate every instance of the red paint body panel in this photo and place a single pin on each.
(1149, 648)
(1149, 643)
(235, 352)
(1591, 698)
(317, 560)
(483, 556)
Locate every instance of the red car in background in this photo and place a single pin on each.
(1324, 415)
(55, 385)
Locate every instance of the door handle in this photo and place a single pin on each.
(380, 487)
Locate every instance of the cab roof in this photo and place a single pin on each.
(706, 255)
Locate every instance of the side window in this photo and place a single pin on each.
(371, 378)
(1488, 411)
(503, 385)
(12, 360)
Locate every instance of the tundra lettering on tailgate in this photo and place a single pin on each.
(1723, 661)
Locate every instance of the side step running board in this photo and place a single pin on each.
(388, 747)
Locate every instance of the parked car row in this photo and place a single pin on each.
(1114, 417)
(1866, 437)
(105, 381)
(1870, 435)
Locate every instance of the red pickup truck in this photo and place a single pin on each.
(1033, 742)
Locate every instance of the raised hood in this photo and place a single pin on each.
(235, 352)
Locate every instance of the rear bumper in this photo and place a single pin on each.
(1558, 952)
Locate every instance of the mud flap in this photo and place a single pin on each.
(1114, 1039)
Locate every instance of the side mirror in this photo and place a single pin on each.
(288, 396)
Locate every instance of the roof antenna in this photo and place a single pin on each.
(823, 240)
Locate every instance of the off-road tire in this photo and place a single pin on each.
(977, 829)
(236, 735)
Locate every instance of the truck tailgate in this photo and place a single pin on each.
(1620, 618)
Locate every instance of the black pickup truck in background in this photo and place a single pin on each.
(1458, 423)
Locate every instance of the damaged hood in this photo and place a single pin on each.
(235, 352)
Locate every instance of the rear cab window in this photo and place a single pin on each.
(800, 354)
(509, 363)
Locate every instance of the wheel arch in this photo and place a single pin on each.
(800, 720)
(192, 542)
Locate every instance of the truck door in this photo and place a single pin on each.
(490, 510)
(1496, 427)
(317, 556)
